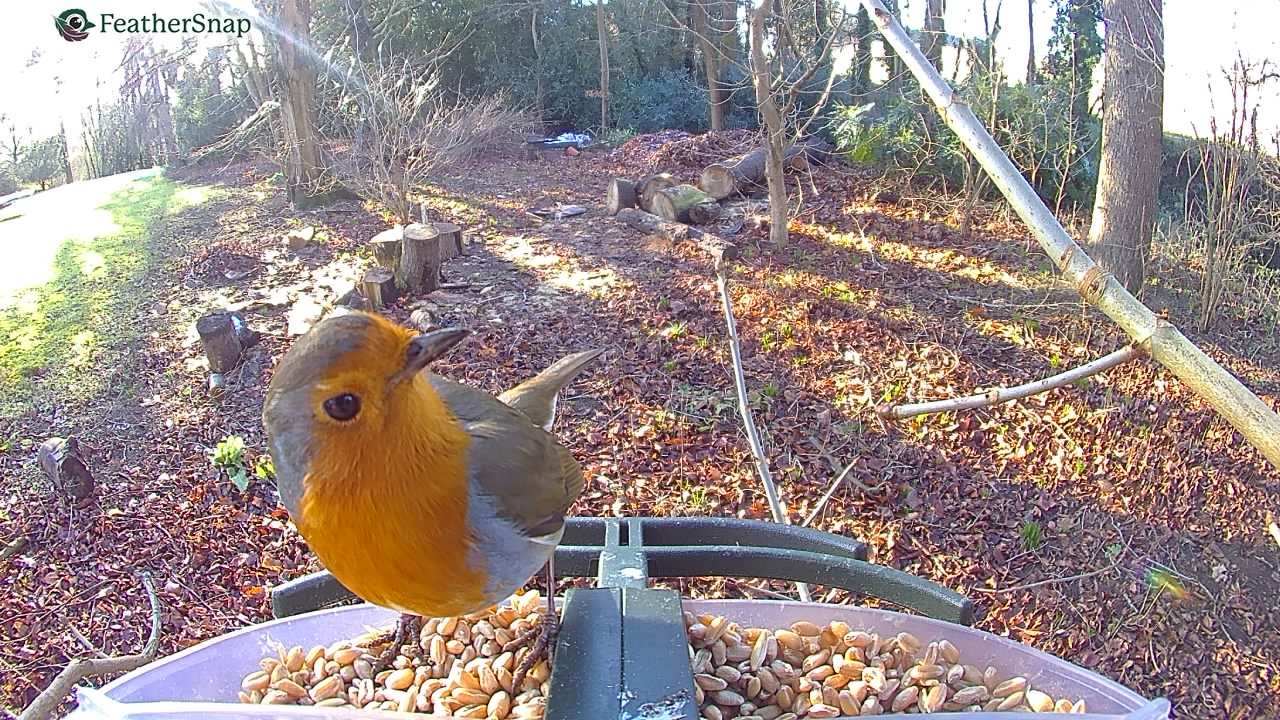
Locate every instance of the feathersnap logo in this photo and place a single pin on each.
(73, 24)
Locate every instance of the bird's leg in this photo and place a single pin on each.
(406, 631)
(546, 632)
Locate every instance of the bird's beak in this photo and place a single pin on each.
(428, 347)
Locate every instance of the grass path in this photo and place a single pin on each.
(84, 263)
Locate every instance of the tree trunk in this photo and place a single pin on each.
(379, 287)
(419, 259)
(602, 27)
(1132, 134)
(363, 40)
(296, 77)
(622, 194)
(935, 33)
(728, 33)
(450, 240)
(539, 107)
(710, 61)
(774, 140)
(685, 203)
(739, 174)
(1032, 78)
(649, 186)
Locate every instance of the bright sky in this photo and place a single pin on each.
(1198, 42)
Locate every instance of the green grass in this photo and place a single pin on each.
(72, 335)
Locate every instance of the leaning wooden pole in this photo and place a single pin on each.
(1156, 337)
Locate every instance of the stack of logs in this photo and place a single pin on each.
(659, 204)
(409, 258)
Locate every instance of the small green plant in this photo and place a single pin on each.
(1032, 535)
(674, 331)
(669, 366)
(228, 457)
(615, 137)
(704, 342)
(771, 389)
(664, 304)
(768, 340)
(264, 469)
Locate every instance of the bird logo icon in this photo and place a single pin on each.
(73, 25)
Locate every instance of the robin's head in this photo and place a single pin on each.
(351, 383)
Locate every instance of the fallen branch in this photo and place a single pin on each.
(1003, 395)
(676, 233)
(753, 435)
(48, 701)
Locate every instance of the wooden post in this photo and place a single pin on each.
(419, 259)
(379, 287)
(220, 341)
(622, 194)
(386, 247)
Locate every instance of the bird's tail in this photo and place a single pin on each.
(536, 397)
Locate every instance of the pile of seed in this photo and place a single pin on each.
(835, 670)
(457, 667)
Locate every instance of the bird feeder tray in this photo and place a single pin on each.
(623, 651)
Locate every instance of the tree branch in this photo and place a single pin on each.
(1158, 338)
(997, 396)
(47, 701)
(753, 435)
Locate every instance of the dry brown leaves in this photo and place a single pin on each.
(1131, 476)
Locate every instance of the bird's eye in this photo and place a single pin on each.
(342, 407)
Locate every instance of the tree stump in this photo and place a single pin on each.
(379, 287)
(386, 247)
(685, 203)
(622, 194)
(419, 271)
(650, 185)
(220, 340)
(450, 240)
(63, 463)
(298, 238)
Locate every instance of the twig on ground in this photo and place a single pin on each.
(1050, 581)
(831, 491)
(1003, 395)
(744, 407)
(48, 700)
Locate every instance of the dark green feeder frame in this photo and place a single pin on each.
(632, 637)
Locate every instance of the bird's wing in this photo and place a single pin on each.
(533, 478)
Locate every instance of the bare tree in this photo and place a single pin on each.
(410, 129)
(699, 18)
(1132, 138)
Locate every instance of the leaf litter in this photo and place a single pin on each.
(1152, 564)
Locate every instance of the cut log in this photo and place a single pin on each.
(742, 173)
(677, 233)
(419, 259)
(650, 185)
(379, 287)
(685, 203)
(450, 240)
(62, 461)
(622, 194)
(220, 339)
(386, 247)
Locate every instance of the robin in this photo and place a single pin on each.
(420, 494)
